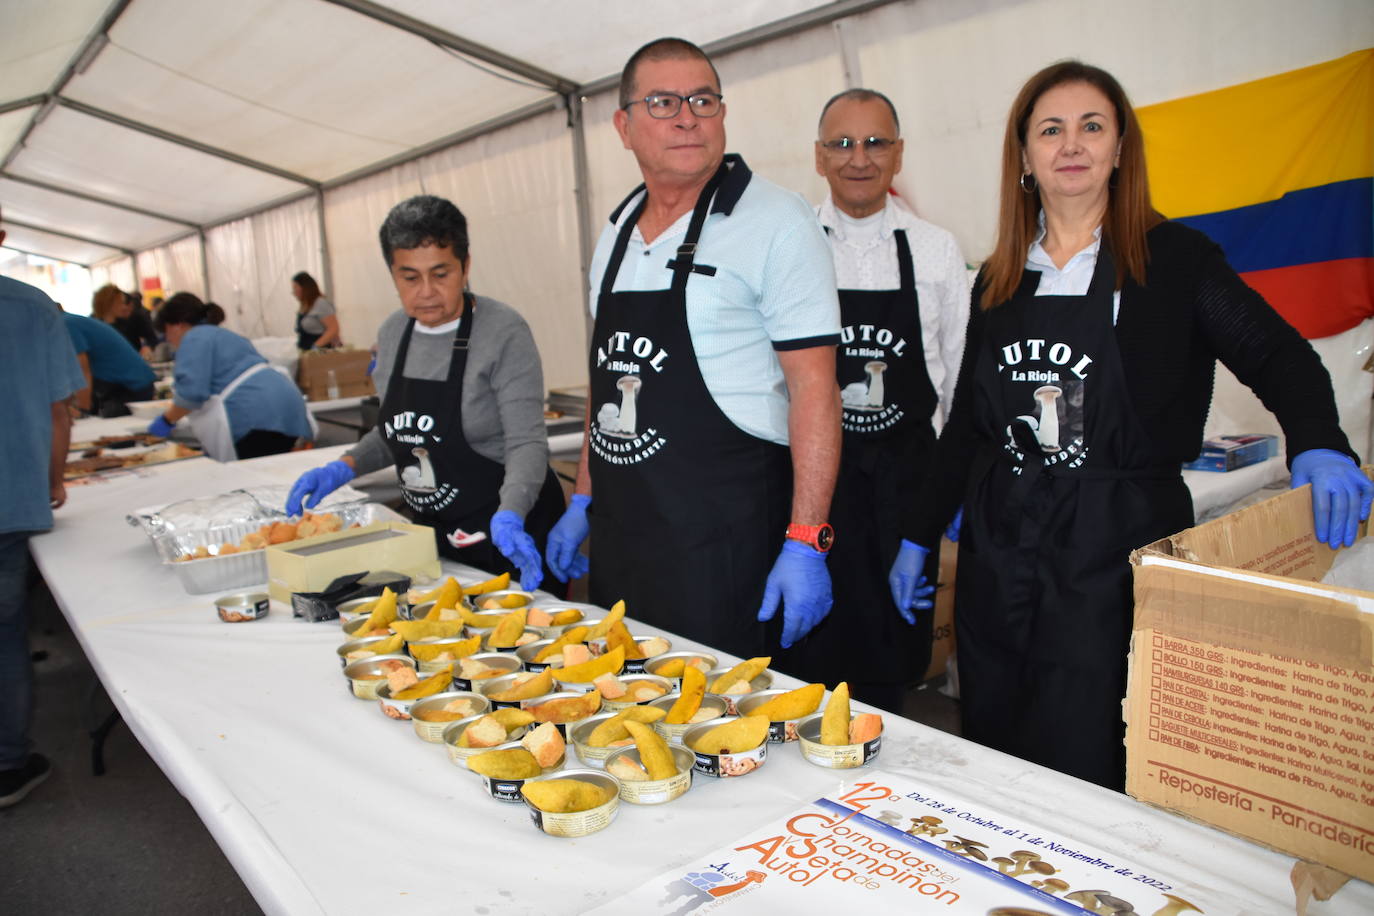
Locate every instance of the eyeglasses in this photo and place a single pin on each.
(664, 105)
(844, 147)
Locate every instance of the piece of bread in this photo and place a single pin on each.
(865, 727)
(626, 769)
(485, 732)
(610, 686)
(545, 743)
(538, 618)
(576, 654)
(401, 678)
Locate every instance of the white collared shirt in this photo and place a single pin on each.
(866, 258)
(1075, 277)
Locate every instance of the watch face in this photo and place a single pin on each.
(825, 537)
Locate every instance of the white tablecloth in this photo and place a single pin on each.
(322, 804)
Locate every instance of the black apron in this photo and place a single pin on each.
(1066, 485)
(888, 401)
(444, 482)
(688, 511)
(304, 339)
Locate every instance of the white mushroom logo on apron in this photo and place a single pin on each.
(419, 483)
(863, 401)
(616, 436)
(1046, 381)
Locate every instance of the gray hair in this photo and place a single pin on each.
(862, 95)
(424, 220)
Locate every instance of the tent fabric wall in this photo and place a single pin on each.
(251, 262)
(177, 264)
(120, 272)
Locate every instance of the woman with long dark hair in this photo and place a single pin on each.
(317, 326)
(1087, 374)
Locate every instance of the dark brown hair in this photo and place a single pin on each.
(660, 49)
(310, 290)
(1129, 216)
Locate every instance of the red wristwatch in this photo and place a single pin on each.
(817, 537)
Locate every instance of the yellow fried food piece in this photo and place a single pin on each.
(565, 796)
(585, 673)
(686, 706)
(793, 704)
(511, 628)
(416, 630)
(653, 750)
(536, 686)
(447, 595)
(428, 652)
(733, 737)
(613, 729)
(383, 612)
(616, 615)
(434, 593)
(745, 671)
(435, 683)
(835, 720)
(509, 763)
(569, 638)
(509, 601)
(478, 621)
(566, 709)
(566, 616)
(620, 636)
(512, 718)
(491, 585)
(387, 646)
(673, 667)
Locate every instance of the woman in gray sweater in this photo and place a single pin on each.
(462, 415)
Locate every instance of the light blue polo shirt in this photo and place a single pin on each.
(38, 368)
(774, 289)
(209, 358)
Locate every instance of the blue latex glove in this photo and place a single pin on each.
(908, 583)
(952, 532)
(561, 553)
(1341, 494)
(509, 536)
(799, 582)
(160, 428)
(316, 484)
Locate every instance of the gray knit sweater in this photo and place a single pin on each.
(503, 395)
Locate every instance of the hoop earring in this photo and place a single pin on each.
(1033, 185)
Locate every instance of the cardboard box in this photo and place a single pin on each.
(349, 368)
(1250, 698)
(1227, 453)
(310, 567)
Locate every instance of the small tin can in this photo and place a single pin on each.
(713, 705)
(433, 730)
(636, 665)
(433, 665)
(457, 754)
(581, 731)
(581, 686)
(526, 654)
(778, 732)
(497, 601)
(355, 609)
(365, 676)
(393, 708)
(241, 607)
(354, 630)
(508, 790)
(723, 765)
(358, 645)
(580, 823)
(662, 683)
(655, 665)
(762, 682)
(833, 756)
(498, 685)
(421, 611)
(488, 647)
(562, 727)
(502, 660)
(655, 791)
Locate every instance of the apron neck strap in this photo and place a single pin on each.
(461, 335)
(904, 268)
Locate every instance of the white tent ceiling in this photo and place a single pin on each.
(133, 122)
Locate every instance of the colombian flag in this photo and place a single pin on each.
(1280, 173)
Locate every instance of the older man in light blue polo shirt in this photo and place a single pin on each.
(713, 423)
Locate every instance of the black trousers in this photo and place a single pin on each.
(259, 442)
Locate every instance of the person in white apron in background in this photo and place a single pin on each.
(238, 405)
(462, 405)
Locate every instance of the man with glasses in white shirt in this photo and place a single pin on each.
(713, 419)
(904, 304)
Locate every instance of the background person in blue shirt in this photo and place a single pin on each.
(239, 405)
(38, 373)
(115, 373)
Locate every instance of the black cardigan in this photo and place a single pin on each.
(1192, 311)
